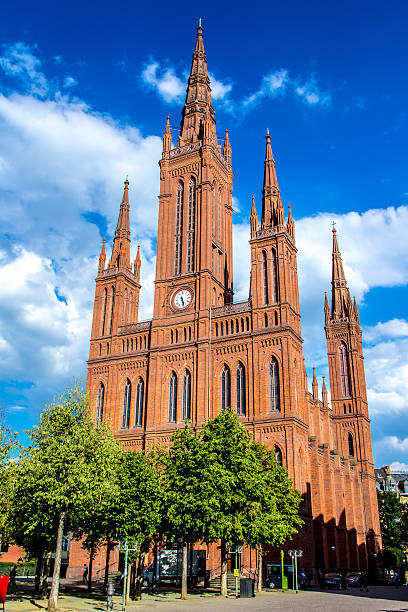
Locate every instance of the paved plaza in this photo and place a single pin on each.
(378, 599)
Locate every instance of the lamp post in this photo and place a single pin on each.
(125, 547)
(295, 554)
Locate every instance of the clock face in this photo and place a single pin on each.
(182, 299)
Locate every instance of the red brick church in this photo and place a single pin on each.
(202, 351)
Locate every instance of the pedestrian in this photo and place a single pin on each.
(85, 574)
(363, 582)
(13, 573)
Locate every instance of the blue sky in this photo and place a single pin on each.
(84, 93)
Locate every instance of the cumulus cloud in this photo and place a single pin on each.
(397, 466)
(396, 328)
(164, 81)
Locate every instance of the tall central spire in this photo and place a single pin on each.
(342, 305)
(198, 104)
(121, 244)
(272, 209)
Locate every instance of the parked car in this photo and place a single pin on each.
(274, 578)
(332, 580)
(353, 579)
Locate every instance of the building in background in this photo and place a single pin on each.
(202, 352)
(397, 482)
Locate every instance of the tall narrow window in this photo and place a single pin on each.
(173, 398)
(139, 403)
(191, 224)
(265, 277)
(241, 404)
(179, 227)
(274, 276)
(274, 385)
(126, 405)
(105, 299)
(99, 403)
(344, 371)
(111, 310)
(278, 455)
(186, 395)
(220, 228)
(350, 445)
(225, 388)
(125, 307)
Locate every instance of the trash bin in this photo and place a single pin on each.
(246, 587)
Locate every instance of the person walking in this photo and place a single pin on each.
(12, 576)
(85, 574)
(363, 582)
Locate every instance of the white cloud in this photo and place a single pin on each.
(397, 466)
(396, 328)
(69, 81)
(164, 81)
(19, 61)
(393, 443)
(311, 94)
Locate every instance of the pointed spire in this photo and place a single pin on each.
(227, 148)
(121, 244)
(324, 393)
(341, 299)
(253, 219)
(167, 137)
(136, 265)
(290, 225)
(198, 97)
(356, 311)
(315, 386)
(326, 309)
(102, 258)
(272, 208)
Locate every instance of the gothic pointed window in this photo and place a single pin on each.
(179, 228)
(350, 445)
(225, 388)
(99, 403)
(111, 310)
(126, 405)
(344, 371)
(186, 395)
(139, 403)
(265, 277)
(191, 224)
(173, 398)
(274, 395)
(278, 455)
(241, 403)
(105, 299)
(274, 276)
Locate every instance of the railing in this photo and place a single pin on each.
(134, 327)
(230, 309)
(188, 148)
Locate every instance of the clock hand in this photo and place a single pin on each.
(182, 301)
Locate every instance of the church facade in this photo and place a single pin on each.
(202, 351)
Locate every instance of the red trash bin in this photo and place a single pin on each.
(4, 580)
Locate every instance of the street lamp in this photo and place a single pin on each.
(295, 554)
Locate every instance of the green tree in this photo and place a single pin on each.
(138, 512)
(63, 471)
(8, 443)
(253, 499)
(390, 513)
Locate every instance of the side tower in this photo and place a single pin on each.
(348, 393)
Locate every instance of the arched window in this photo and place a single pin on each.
(300, 471)
(139, 403)
(105, 299)
(176, 336)
(247, 323)
(189, 333)
(173, 398)
(232, 326)
(100, 349)
(214, 298)
(274, 275)
(125, 306)
(274, 385)
(130, 304)
(344, 371)
(99, 403)
(216, 329)
(225, 388)
(266, 319)
(276, 318)
(126, 405)
(111, 310)
(226, 328)
(278, 455)
(242, 324)
(295, 385)
(179, 228)
(222, 328)
(191, 224)
(185, 334)
(241, 403)
(350, 445)
(265, 277)
(107, 348)
(186, 395)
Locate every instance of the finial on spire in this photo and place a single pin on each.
(334, 226)
(137, 264)
(199, 22)
(267, 131)
(167, 141)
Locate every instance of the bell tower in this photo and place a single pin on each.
(194, 243)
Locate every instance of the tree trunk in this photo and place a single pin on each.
(108, 552)
(139, 577)
(184, 571)
(259, 576)
(91, 558)
(38, 572)
(224, 586)
(44, 576)
(129, 571)
(53, 599)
